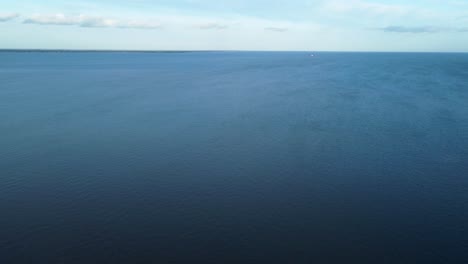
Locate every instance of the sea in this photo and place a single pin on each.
(233, 157)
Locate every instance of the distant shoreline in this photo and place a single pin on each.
(113, 51)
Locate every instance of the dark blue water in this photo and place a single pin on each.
(229, 157)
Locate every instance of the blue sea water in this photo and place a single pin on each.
(233, 157)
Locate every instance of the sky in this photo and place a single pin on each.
(303, 25)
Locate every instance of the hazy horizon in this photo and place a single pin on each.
(207, 50)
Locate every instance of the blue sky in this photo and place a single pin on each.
(341, 25)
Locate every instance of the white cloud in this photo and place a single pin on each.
(89, 21)
(57, 19)
(97, 22)
(7, 17)
(276, 29)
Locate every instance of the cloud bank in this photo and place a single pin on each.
(402, 29)
(89, 22)
(419, 30)
(8, 17)
(174, 22)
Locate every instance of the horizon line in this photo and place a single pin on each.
(214, 50)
